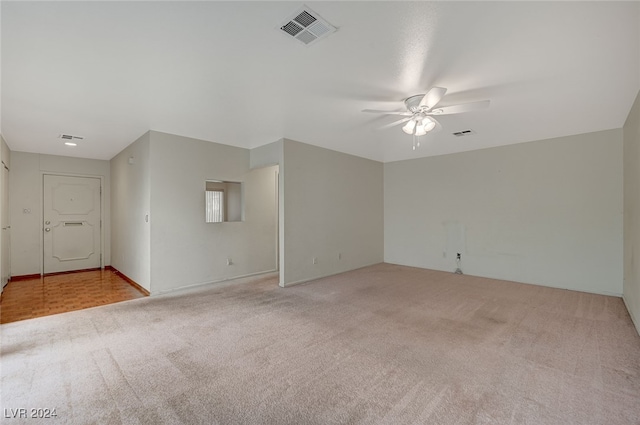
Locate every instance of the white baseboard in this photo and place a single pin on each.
(636, 322)
(196, 285)
(506, 279)
(299, 282)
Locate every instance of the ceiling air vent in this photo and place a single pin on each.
(70, 137)
(464, 133)
(307, 26)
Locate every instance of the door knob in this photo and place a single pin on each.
(47, 229)
(47, 222)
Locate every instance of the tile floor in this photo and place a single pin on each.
(43, 296)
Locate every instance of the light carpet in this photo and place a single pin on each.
(384, 344)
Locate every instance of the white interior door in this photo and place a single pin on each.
(72, 221)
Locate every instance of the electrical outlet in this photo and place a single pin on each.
(459, 256)
(315, 260)
(229, 262)
(339, 256)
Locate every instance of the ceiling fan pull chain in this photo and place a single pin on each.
(416, 144)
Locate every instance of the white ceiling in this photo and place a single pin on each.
(224, 72)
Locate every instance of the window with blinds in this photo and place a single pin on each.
(214, 206)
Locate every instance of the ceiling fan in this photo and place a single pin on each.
(421, 109)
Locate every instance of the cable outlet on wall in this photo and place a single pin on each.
(229, 262)
(315, 260)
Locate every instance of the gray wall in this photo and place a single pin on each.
(25, 189)
(130, 202)
(333, 205)
(185, 250)
(545, 212)
(631, 291)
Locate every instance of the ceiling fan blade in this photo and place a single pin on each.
(393, 124)
(432, 97)
(375, 111)
(465, 107)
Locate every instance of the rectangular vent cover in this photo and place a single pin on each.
(70, 137)
(307, 26)
(464, 133)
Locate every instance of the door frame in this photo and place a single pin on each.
(5, 215)
(102, 226)
(276, 177)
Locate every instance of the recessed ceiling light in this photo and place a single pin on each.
(70, 144)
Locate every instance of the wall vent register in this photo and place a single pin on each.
(464, 133)
(70, 137)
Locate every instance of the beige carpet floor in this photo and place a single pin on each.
(381, 345)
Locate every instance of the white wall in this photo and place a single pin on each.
(234, 201)
(265, 155)
(545, 212)
(631, 290)
(25, 189)
(130, 203)
(185, 250)
(333, 204)
(6, 152)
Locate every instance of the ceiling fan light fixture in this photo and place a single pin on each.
(428, 124)
(421, 111)
(409, 127)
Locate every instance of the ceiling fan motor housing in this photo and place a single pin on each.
(413, 103)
